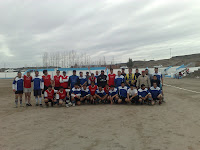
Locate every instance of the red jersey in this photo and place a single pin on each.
(111, 79)
(92, 89)
(62, 95)
(106, 90)
(49, 94)
(92, 79)
(47, 80)
(27, 81)
(57, 80)
(64, 81)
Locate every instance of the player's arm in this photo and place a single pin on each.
(13, 85)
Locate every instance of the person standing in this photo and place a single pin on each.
(47, 80)
(56, 80)
(111, 78)
(137, 74)
(123, 72)
(27, 88)
(130, 78)
(73, 79)
(143, 79)
(102, 79)
(64, 79)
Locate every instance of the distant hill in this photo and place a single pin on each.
(174, 61)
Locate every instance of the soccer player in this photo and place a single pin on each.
(56, 80)
(155, 80)
(76, 95)
(64, 80)
(159, 76)
(101, 95)
(97, 74)
(122, 93)
(102, 79)
(73, 79)
(85, 94)
(92, 79)
(144, 95)
(106, 89)
(132, 95)
(47, 80)
(62, 96)
(113, 95)
(143, 79)
(111, 78)
(49, 96)
(148, 74)
(123, 72)
(130, 78)
(119, 79)
(87, 76)
(27, 88)
(82, 80)
(156, 93)
(137, 74)
(18, 88)
(38, 86)
(92, 89)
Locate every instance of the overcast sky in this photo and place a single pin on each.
(139, 29)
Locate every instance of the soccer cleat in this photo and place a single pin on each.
(73, 104)
(41, 105)
(36, 104)
(160, 102)
(29, 104)
(70, 104)
(21, 105)
(67, 105)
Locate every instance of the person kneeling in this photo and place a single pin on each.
(49, 96)
(101, 95)
(113, 95)
(122, 93)
(76, 95)
(132, 95)
(156, 93)
(63, 96)
(85, 94)
(144, 95)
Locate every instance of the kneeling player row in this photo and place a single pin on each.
(96, 95)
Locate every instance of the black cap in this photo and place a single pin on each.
(64, 71)
(74, 70)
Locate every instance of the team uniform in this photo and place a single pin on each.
(130, 78)
(119, 80)
(159, 77)
(155, 92)
(92, 90)
(18, 85)
(106, 89)
(82, 80)
(132, 93)
(136, 77)
(76, 94)
(61, 96)
(49, 95)
(123, 92)
(143, 93)
(73, 80)
(102, 80)
(113, 93)
(27, 84)
(111, 79)
(92, 79)
(38, 85)
(47, 81)
(64, 81)
(101, 93)
(56, 80)
(85, 92)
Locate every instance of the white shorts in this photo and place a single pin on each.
(27, 90)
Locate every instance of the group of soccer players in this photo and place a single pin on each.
(130, 88)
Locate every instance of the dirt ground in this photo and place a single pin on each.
(175, 125)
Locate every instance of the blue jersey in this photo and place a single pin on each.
(155, 92)
(119, 80)
(158, 75)
(113, 92)
(85, 92)
(143, 93)
(73, 80)
(18, 84)
(100, 93)
(76, 91)
(38, 83)
(123, 91)
(82, 80)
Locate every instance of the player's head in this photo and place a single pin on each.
(112, 87)
(136, 70)
(143, 86)
(119, 73)
(61, 88)
(106, 86)
(87, 73)
(146, 71)
(92, 83)
(19, 74)
(74, 72)
(111, 70)
(123, 69)
(97, 73)
(36, 73)
(45, 72)
(156, 69)
(130, 70)
(155, 77)
(81, 73)
(92, 74)
(122, 84)
(100, 87)
(64, 73)
(50, 87)
(102, 72)
(131, 86)
(76, 85)
(28, 73)
(84, 86)
(58, 72)
(143, 73)
(154, 84)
